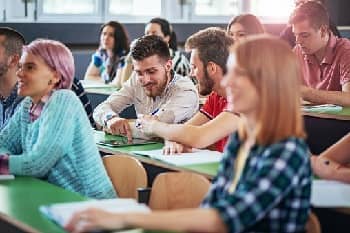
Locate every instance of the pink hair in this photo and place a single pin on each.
(57, 56)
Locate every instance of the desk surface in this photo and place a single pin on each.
(207, 169)
(20, 200)
(344, 114)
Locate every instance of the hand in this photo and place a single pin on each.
(119, 126)
(94, 219)
(323, 167)
(146, 123)
(171, 148)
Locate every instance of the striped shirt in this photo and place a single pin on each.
(78, 89)
(181, 65)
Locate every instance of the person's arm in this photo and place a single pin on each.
(192, 135)
(93, 73)
(55, 132)
(190, 220)
(180, 103)
(340, 151)
(326, 168)
(115, 103)
(341, 98)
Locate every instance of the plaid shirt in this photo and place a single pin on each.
(273, 193)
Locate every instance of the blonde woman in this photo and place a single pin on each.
(263, 184)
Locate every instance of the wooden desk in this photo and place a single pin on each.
(208, 170)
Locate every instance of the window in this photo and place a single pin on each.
(217, 7)
(68, 6)
(272, 10)
(214, 11)
(135, 7)
(69, 10)
(133, 10)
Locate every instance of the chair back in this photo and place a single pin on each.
(126, 173)
(313, 225)
(175, 190)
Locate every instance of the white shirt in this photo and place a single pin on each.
(178, 102)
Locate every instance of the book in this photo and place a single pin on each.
(328, 193)
(7, 177)
(61, 213)
(195, 157)
(322, 108)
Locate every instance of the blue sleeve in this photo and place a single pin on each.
(54, 134)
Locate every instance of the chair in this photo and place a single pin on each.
(126, 173)
(175, 190)
(313, 225)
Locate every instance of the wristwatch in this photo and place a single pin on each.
(108, 117)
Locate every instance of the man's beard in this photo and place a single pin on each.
(206, 84)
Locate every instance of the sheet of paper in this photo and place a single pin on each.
(93, 84)
(61, 213)
(7, 177)
(326, 193)
(196, 157)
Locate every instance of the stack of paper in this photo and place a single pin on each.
(196, 157)
(326, 193)
(61, 213)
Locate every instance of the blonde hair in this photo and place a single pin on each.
(273, 69)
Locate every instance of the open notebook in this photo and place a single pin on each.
(196, 157)
(62, 212)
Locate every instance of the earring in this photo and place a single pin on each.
(50, 82)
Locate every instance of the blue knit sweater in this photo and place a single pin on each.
(58, 146)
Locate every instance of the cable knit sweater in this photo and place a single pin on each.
(58, 147)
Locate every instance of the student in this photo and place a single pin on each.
(271, 193)
(244, 25)
(162, 28)
(49, 136)
(333, 164)
(79, 90)
(11, 43)
(325, 59)
(212, 124)
(110, 56)
(287, 33)
(155, 89)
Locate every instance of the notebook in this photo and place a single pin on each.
(322, 108)
(62, 212)
(122, 141)
(327, 193)
(195, 157)
(7, 177)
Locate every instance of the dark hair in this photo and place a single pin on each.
(213, 44)
(315, 12)
(14, 40)
(121, 39)
(167, 30)
(150, 45)
(250, 23)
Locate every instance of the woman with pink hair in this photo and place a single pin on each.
(50, 136)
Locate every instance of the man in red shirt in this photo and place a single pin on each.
(324, 58)
(212, 124)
